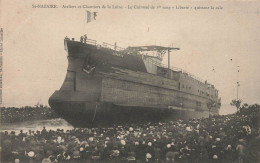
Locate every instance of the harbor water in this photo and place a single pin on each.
(51, 124)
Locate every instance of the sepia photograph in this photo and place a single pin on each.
(161, 81)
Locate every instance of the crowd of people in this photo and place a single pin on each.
(38, 112)
(229, 138)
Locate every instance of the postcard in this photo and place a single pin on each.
(129, 80)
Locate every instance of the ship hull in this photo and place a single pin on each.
(89, 114)
(105, 87)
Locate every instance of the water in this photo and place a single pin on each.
(52, 124)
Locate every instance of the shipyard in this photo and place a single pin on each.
(122, 123)
(100, 86)
(117, 126)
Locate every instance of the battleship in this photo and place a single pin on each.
(109, 84)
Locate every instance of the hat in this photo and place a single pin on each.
(241, 140)
(188, 129)
(116, 152)
(83, 143)
(122, 142)
(59, 139)
(46, 160)
(87, 145)
(228, 147)
(130, 158)
(31, 154)
(215, 157)
(148, 155)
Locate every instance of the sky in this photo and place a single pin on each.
(35, 63)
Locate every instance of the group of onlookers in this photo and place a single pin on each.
(229, 138)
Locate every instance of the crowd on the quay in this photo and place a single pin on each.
(27, 113)
(229, 138)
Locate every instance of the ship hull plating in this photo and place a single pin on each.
(103, 86)
(84, 114)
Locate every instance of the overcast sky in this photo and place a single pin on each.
(35, 63)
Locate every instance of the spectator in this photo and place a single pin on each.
(218, 139)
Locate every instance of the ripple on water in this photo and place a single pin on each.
(51, 124)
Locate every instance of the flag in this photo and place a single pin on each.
(91, 16)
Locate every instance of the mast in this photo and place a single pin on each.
(169, 64)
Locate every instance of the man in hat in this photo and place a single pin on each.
(44, 132)
(85, 38)
(21, 135)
